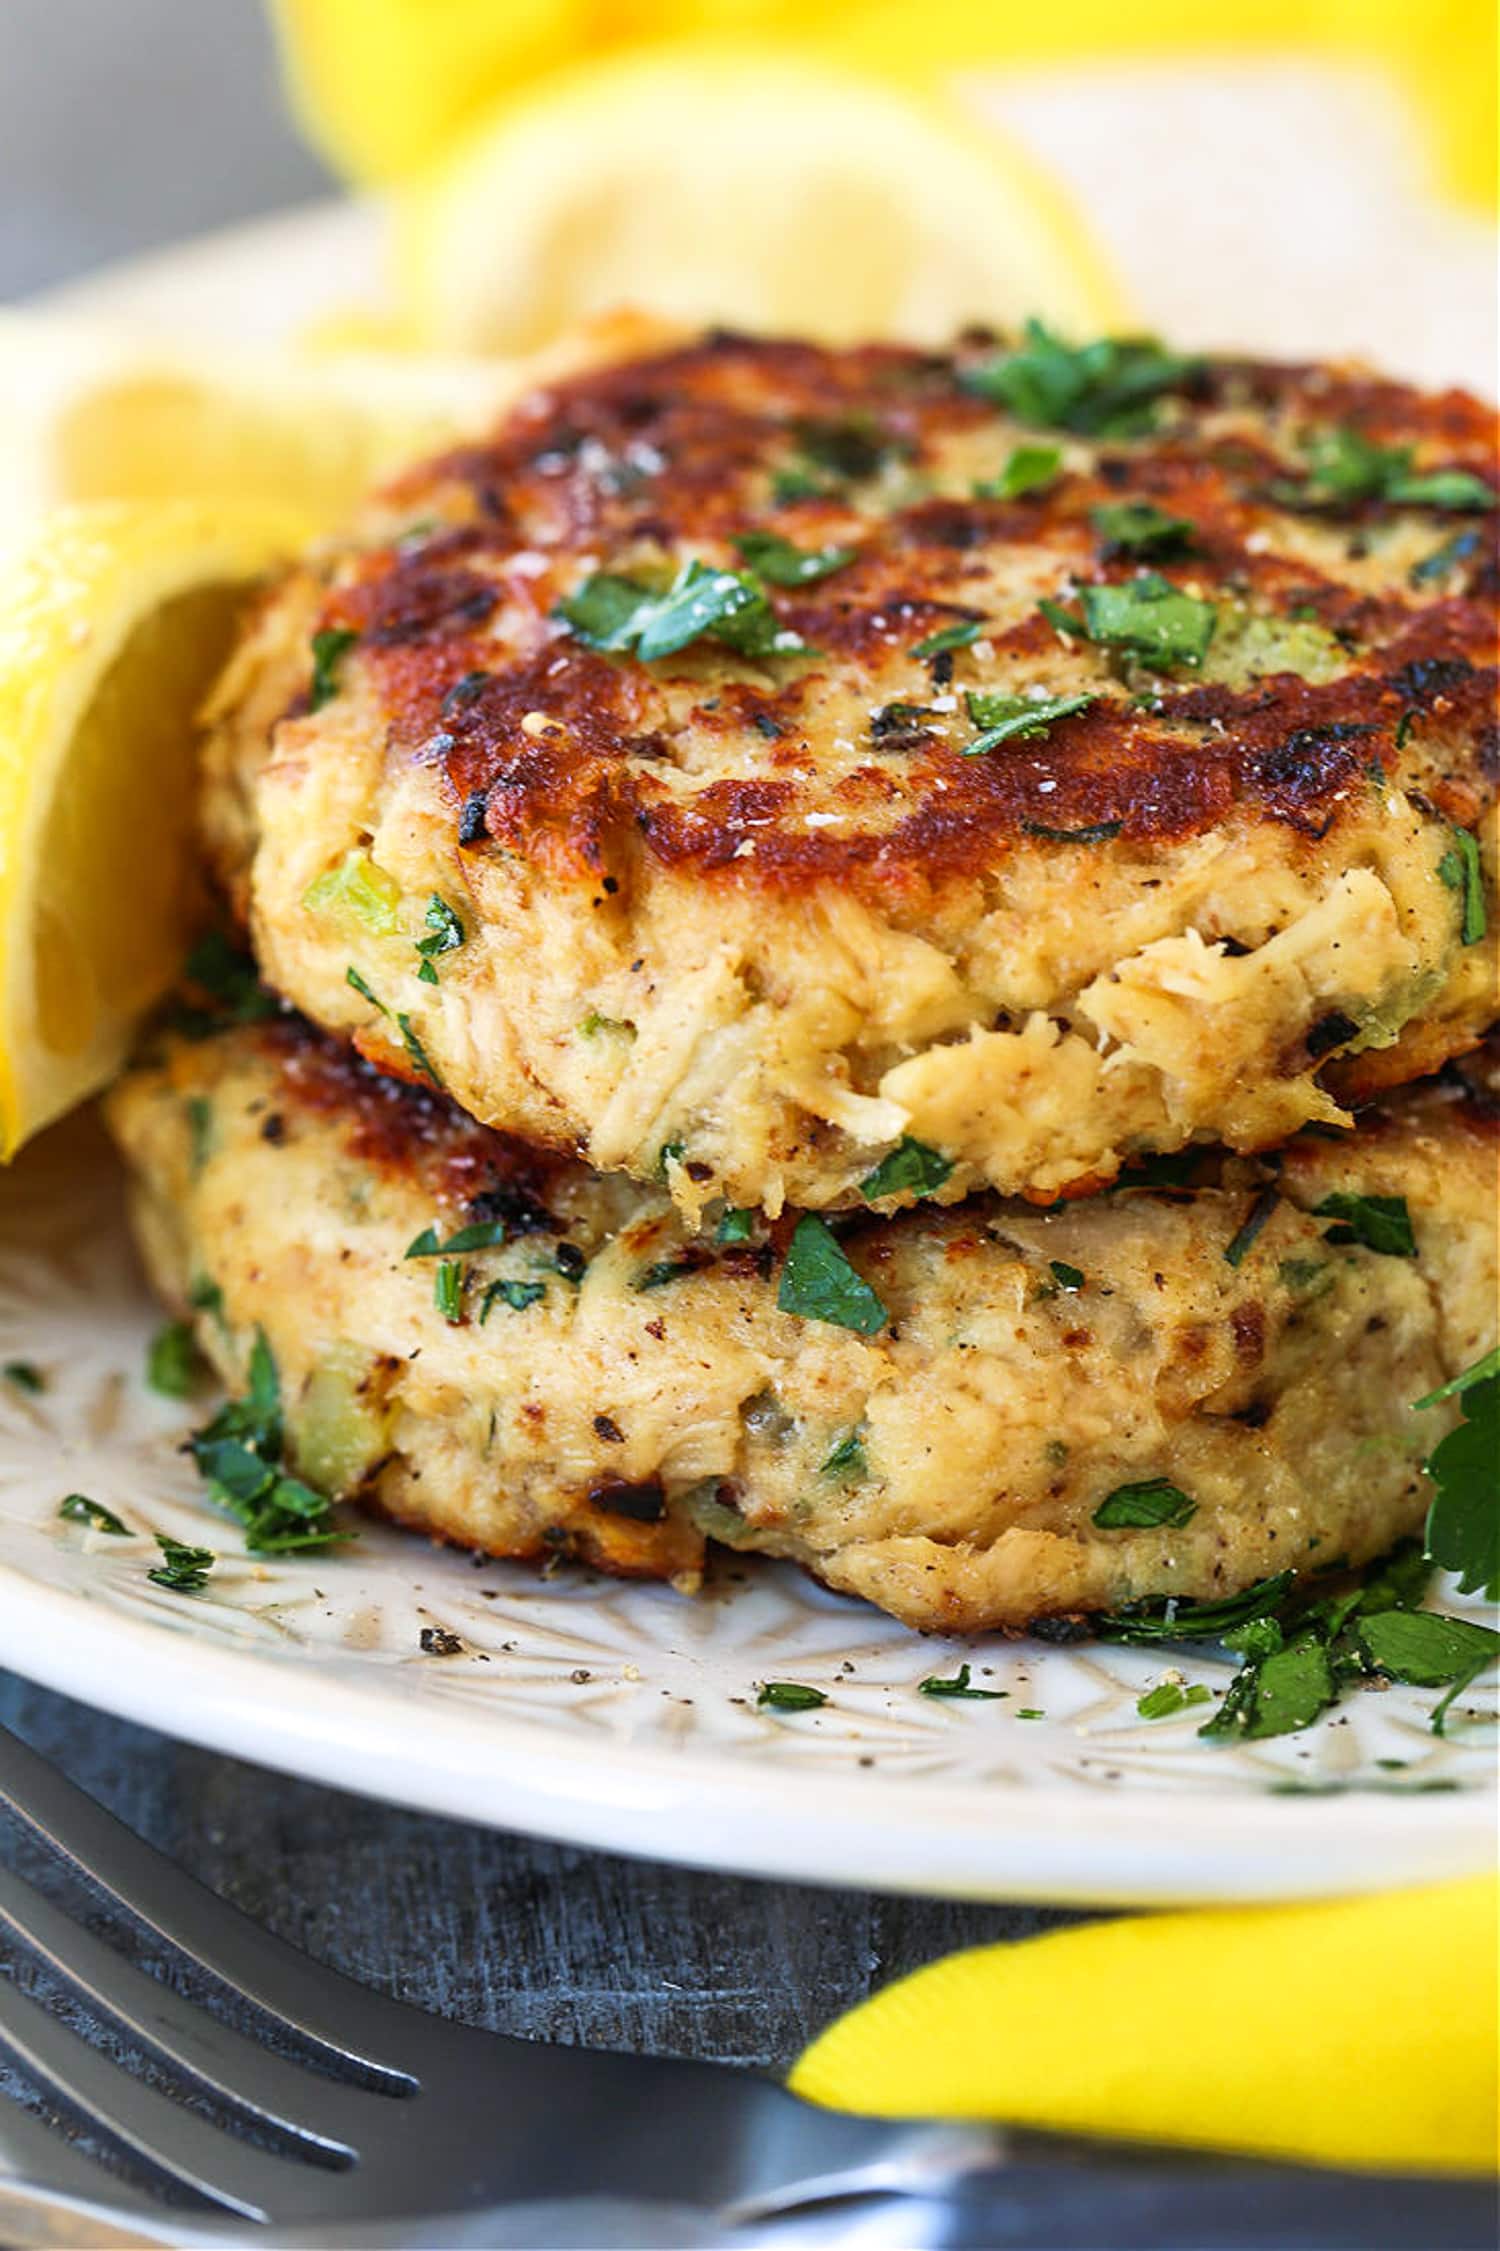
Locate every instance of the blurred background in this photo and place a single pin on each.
(1309, 178)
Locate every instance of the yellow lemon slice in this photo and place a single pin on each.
(751, 187)
(113, 621)
(93, 414)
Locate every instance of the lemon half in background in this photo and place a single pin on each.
(113, 622)
(757, 189)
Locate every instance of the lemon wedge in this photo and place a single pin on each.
(91, 413)
(113, 621)
(752, 187)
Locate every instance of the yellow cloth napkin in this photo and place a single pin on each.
(1355, 2032)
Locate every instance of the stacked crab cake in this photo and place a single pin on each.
(847, 911)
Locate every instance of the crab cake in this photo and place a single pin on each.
(759, 760)
(973, 1417)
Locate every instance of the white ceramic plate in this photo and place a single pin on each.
(613, 1715)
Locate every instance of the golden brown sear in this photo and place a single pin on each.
(758, 759)
(952, 1413)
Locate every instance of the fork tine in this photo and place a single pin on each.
(350, 2023)
(32, 2148)
(195, 2154)
(266, 2086)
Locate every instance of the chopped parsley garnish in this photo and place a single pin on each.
(781, 562)
(173, 1364)
(911, 1168)
(1242, 1242)
(239, 1452)
(480, 1235)
(182, 1569)
(1170, 1696)
(1460, 869)
(1006, 718)
(1346, 468)
(353, 978)
(1463, 1522)
(1479, 1371)
(1171, 1619)
(789, 1696)
(517, 1295)
(614, 613)
(1380, 1223)
(448, 1291)
(736, 1224)
(25, 1375)
(1093, 832)
(957, 1685)
(444, 934)
(848, 450)
(1029, 1712)
(1147, 615)
(1277, 1691)
(1135, 527)
(670, 1153)
(216, 967)
(200, 1118)
(665, 1270)
(591, 1025)
(961, 636)
(415, 1050)
(1069, 1278)
(79, 1509)
(330, 646)
(847, 1457)
(1151, 1502)
(1105, 389)
(819, 1284)
(1029, 469)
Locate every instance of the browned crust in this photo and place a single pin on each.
(722, 412)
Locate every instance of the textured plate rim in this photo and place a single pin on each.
(1151, 1848)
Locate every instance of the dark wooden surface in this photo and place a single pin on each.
(506, 1931)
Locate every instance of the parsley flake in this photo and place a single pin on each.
(1141, 1506)
(1242, 1242)
(1460, 869)
(1069, 1278)
(789, 1696)
(25, 1375)
(957, 1685)
(239, 1453)
(173, 1364)
(614, 613)
(736, 1224)
(1463, 1523)
(448, 1291)
(911, 1168)
(182, 1569)
(415, 1050)
(517, 1295)
(1109, 388)
(781, 562)
(330, 646)
(847, 1457)
(1029, 469)
(1009, 718)
(1379, 1223)
(1147, 616)
(819, 1284)
(961, 636)
(1135, 527)
(1169, 1697)
(480, 1235)
(79, 1509)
